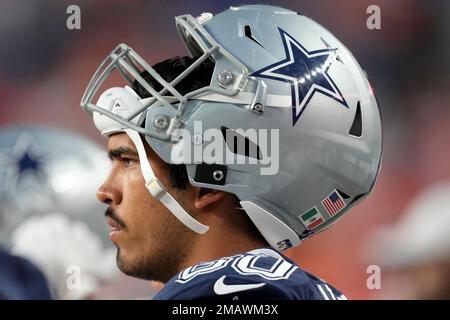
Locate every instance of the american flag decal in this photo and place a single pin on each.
(333, 203)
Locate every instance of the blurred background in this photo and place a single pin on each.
(44, 69)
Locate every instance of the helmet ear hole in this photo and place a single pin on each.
(214, 174)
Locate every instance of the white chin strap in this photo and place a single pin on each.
(157, 190)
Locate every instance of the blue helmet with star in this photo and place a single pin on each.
(284, 90)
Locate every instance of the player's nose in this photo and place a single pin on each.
(109, 194)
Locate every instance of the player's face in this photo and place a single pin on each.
(151, 242)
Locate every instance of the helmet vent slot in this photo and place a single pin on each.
(343, 194)
(248, 34)
(239, 144)
(356, 129)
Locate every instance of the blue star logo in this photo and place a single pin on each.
(306, 72)
(22, 161)
(28, 162)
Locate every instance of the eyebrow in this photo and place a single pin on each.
(117, 153)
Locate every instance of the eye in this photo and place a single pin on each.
(129, 161)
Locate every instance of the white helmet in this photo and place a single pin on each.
(275, 71)
(48, 179)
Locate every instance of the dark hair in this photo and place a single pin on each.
(169, 69)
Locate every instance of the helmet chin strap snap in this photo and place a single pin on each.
(157, 190)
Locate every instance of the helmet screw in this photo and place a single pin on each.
(161, 122)
(225, 78)
(258, 108)
(218, 175)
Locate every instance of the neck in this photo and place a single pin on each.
(228, 235)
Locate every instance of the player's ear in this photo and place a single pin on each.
(207, 197)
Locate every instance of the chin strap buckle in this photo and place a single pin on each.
(155, 188)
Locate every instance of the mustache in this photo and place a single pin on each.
(112, 214)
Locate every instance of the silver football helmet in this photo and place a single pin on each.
(275, 71)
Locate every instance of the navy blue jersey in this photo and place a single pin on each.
(20, 279)
(258, 274)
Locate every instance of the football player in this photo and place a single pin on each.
(266, 134)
